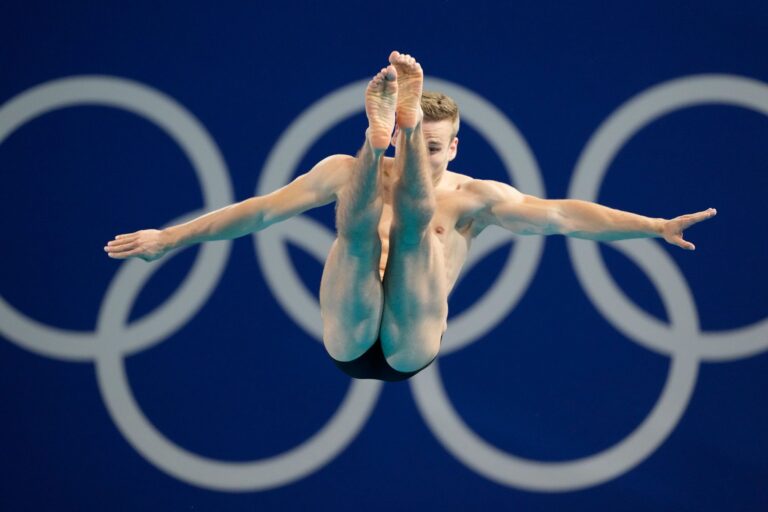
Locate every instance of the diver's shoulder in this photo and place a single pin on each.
(454, 180)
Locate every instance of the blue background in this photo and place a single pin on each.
(554, 381)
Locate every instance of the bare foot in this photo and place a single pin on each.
(380, 101)
(410, 79)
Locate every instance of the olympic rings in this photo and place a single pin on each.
(682, 341)
(113, 339)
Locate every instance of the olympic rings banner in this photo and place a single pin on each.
(573, 376)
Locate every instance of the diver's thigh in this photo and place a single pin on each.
(351, 301)
(415, 304)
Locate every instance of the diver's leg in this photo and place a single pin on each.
(351, 289)
(415, 288)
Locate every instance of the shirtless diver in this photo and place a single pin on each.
(404, 227)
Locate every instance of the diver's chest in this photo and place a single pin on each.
(440, 224)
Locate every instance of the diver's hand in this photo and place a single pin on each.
(672, 231)
(147, 244)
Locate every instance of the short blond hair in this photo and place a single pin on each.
(438, 106)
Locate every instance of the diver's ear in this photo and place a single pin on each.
(453, 148)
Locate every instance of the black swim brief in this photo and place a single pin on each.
(373, 365)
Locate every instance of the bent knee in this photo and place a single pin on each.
(412, 218)
(356, 220)
(412, 235)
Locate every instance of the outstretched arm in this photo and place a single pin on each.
(315, 188)
(505, 206)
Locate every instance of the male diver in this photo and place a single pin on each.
(404, 227)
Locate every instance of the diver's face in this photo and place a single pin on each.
(440, 143)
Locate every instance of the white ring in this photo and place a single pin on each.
(209, 166)
(513, 471)
(594, 277)
(187, 466)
